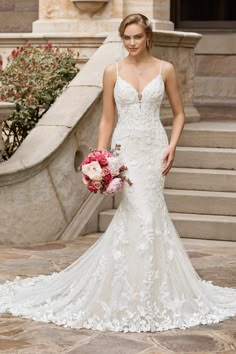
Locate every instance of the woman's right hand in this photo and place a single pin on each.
(168, 159)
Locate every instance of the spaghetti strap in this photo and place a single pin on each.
(161, 67)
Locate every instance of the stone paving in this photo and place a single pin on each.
(214, 260)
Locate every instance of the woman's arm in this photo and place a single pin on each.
(107, 122)
(173, 93)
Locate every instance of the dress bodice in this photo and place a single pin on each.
(139, 130)
(139, 114)
(137, 111)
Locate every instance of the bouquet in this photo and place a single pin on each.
(103, 171)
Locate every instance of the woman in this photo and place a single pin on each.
(137, 276)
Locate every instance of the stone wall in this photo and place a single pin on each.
(67, 16)
(17, 15)
(215, 81)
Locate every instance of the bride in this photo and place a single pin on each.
(137, 276)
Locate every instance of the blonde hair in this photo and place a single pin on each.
(138, 19)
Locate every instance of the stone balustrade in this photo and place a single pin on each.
(85, 44)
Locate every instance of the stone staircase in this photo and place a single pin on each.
(200, 190)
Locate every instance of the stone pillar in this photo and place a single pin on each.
(158, 11)
(94, 16)
(5, 109)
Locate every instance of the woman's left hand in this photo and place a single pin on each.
(168, 159)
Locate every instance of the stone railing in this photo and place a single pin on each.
(6, 108)
(85, 44)
(42, 197)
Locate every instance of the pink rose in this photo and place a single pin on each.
(87, 160)
(101, 158)
(98, 155)
(114, 186)
(105, 152)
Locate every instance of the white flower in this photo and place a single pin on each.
(114, 165)
(93, 170)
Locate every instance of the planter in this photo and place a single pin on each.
(90, 7)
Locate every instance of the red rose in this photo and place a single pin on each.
(87, 160)
(105, 171)
(94, 186)
(107, 179)
(99, 157)
(102, 160)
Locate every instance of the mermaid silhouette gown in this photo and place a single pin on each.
(137, 276)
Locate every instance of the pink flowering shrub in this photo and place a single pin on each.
(33, 79)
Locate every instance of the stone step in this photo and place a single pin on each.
(208, 134)
(104, 219)
(212, 227)
(201, 202)
(201, 157)
(201, 179)
(196, 201)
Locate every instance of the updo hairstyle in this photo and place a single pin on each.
(138, 19)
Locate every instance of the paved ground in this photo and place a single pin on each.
(214, 260)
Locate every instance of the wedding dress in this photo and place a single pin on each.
(137, 276)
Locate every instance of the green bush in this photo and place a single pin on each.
(33, 79)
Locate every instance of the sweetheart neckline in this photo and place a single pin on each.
(140, 94)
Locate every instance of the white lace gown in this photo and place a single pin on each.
(137, 276)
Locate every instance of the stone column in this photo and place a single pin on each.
(5, 109)
(158, 11)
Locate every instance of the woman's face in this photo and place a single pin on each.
(135, 39)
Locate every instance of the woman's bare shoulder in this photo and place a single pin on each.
(168, 70)
(109, 74)
(168, 67)
(110, 69)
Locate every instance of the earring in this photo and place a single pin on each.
(148, 42)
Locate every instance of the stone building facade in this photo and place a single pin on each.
(18, 15)
(215, 54)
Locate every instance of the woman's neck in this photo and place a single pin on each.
(140, 59)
